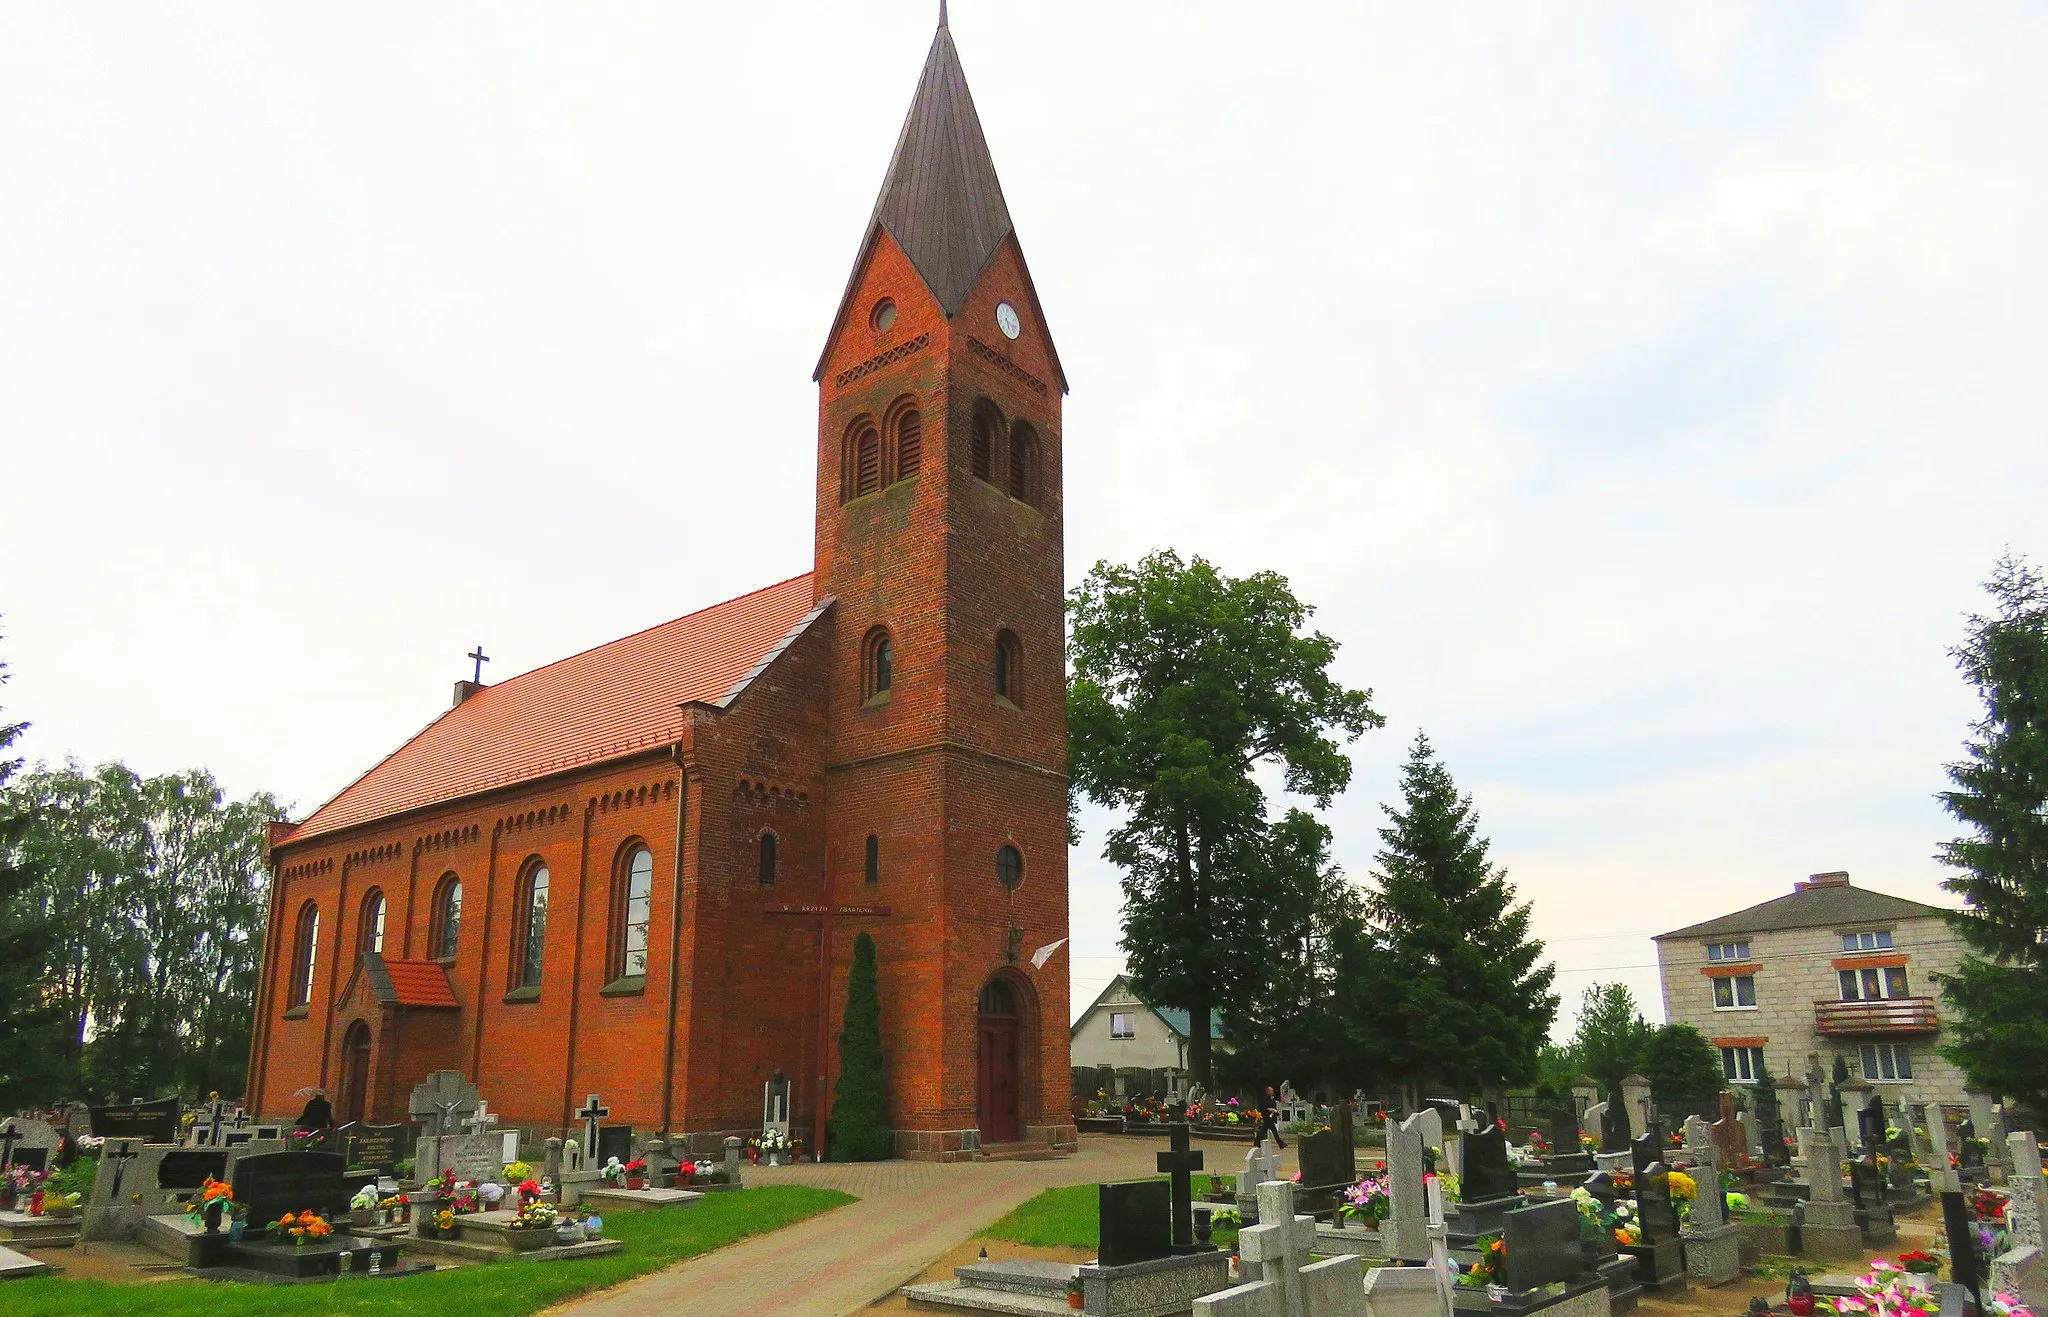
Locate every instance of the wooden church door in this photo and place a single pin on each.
(996, 1051)
(355, 1092)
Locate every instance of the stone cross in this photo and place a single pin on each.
(1984, 1115)
(481, 1119)
(1275, 1249)
(1726, 1133)
(9, 1136)
(593, 1112)
(1261, 1163)
(1180, 1163)
(1709, 1207)
(441, 1100)
(1277, 1283)
(1405, 1234)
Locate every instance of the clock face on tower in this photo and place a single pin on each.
(1006, 320)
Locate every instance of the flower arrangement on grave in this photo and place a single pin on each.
(532, 1213)
(1454, 1188)
(365, 1199)
(459, 1196)
(1366, 1202)
(1988, 1204)
(393, 1206)
(2006, 1305)
(1492, 1267)
(55, 1203)
(636, 1173)
(614, 1173)
(515, 1171)
(444, 1221)
(20, 1181)
(210, 1191)
(1588, 1142)
(1888, 1291)
(1920, 1262)
(1538, 1144)
(1628, 1230)
(298, 1227)
(491, 1193)
(304, 1140)
(1682, 1187)
(90, 1144)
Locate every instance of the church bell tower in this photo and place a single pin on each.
(940, 544)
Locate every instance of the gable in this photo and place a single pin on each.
(619, 699)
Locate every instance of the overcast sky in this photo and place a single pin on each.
(1639, 392)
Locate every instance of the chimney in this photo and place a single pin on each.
(465, 689)
(1833, 878)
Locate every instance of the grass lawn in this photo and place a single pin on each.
(1067, 1217)
(653, 1240)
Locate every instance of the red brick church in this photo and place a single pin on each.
(611, 874)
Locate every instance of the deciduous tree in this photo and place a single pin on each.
(1611, 1035)
(1185, 683)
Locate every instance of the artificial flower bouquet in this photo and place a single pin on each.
(1920, 1262)
(211, 1191)
(515, 1171)
(1889, 1291)
(1365, 1203)
(614, 1173)
(1492, 1267)
(298, 1227)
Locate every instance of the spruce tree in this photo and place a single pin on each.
(33, 1068)
(859, 1128)
(1462, 1001)
(1999, 994)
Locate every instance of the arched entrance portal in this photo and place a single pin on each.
(997, 1024)
(355, 1071)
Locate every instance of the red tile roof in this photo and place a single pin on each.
(618, 699)
(419, 983)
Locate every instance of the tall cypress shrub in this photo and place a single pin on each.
(859, 1128)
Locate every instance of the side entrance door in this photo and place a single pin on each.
(996, 1030)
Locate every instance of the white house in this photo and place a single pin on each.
(1121, 1031)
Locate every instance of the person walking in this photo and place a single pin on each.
(1269, 1118)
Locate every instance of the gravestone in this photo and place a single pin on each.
(1543, 1244)
(615, 1141)
(1940, 1174)
(1341, 1119)
(1731, 1144)
(1713, 1244)
(144, 1122)
(774, 1105)
(26, 1141)
(1990, 1123)
(1615, 1131)
(1774, 1101)
(1660, 1258)
(1136, 1222)
(2021, 1269)
(1829, 1229)
(274, 1183)
(1867, 1192)
(1325, 1170)
(473, 1157)
(442, 1101)
(1429, 1127)
(1405, 1233)
(380, 1147)
(1635, 1103)
(1279, 1279)
(1488, 1174)
(185, 1169)
(1261, 1163)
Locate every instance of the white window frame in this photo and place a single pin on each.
(1130, 1024)
(1736, 1060)
(1717, 952)
(1874, 1056)
(1870, 939)
(1735, 993)
(1847, 978)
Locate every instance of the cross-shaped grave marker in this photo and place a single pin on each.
(1276, 1248)
(9, 1136)
(218, 1113)
(1180, 1164)
(593, 1112)
(444, 1097)
(481, 1119)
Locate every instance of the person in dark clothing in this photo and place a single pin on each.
(1269, 1118)
(318, 1115)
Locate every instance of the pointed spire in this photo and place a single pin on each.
(942, 13)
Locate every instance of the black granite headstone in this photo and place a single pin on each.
(1614, 1127)
(188, 1168)
(148, 1122)
(1488, 1173)
(273, 1183)
(380, 1147)
(36, 1159)
(1653, 1203)
(615, 1141)
(1136, 1221)
(1543, 1244)
(1323, 1160)
(1562, 1128)
(1965, 1264)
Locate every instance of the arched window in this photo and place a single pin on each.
(767, 859)
(1009, 868)
(1010, 667)
(632, 910)
(530, 927)
(878, 664)
(997, 999)
(370, 927)
(305, 952)
(988, 422)
(874, 860)
(909, 443)
(1023, 463)
(447, 923)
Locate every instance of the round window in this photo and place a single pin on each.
(883, 317)
(1009, 868)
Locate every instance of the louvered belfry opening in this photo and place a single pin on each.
(909, 443)
(985, 424)
(867, 461)
(1023, 461)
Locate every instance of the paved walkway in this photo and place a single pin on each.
(909, 1214)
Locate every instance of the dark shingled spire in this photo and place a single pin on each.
(940, 200)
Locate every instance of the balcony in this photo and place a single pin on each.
(1897, 1015)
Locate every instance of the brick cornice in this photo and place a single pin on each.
(941, 747)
